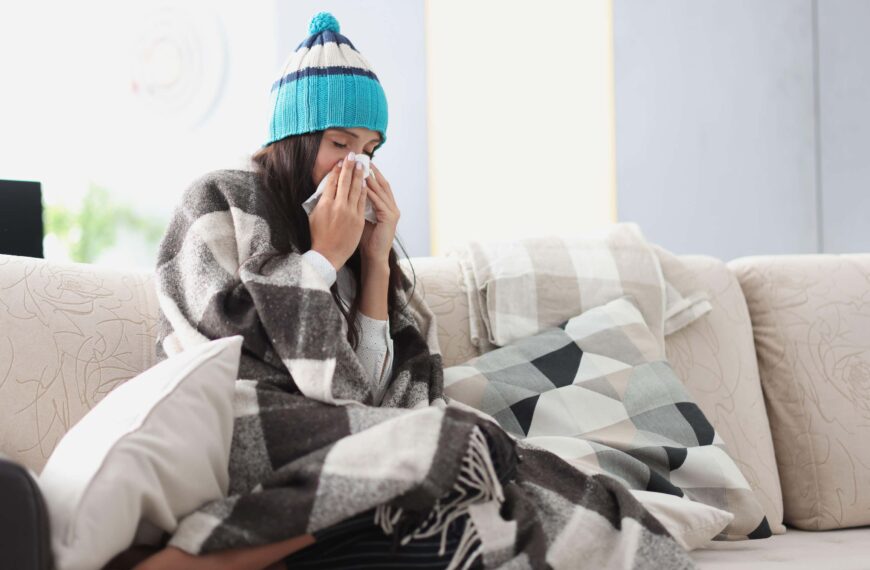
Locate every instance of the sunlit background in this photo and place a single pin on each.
(721, 127)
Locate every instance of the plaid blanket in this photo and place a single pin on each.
(517, 288)
(309, 450)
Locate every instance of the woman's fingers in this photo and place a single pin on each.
(380, 202)
(332, 185)
(356, 190)
(383, 201)
(372, 179)
(376, 200)
(345, 178)
(380, 185)
(362, 196)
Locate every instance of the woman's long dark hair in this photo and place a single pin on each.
(284, 169)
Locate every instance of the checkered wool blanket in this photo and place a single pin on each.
(519, 287)
(309, 449)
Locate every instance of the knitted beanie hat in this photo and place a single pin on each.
(326, 83)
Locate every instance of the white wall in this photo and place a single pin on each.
(844, 120)
(715, 124)
(520, 118)
(742, 126)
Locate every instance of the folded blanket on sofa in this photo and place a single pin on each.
(309, 449)
(517, 288)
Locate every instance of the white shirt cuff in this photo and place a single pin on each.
(323, 266)
(375, 351)
(375, 332)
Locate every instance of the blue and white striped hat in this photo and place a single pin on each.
(326, 83)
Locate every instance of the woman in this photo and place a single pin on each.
(350, 253)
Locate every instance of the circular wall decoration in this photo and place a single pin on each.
(179, 61)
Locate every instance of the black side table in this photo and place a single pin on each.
(25, 533)
(21, 225)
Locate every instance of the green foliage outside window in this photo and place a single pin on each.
(93, 228)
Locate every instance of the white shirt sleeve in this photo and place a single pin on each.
(322, 265)
(375, 351)
(375, 348)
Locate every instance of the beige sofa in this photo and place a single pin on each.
(69, 333)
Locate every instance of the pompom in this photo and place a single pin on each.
(323, 21)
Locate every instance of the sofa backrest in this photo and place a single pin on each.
(811, 319)
(71, 332)
(715, 358)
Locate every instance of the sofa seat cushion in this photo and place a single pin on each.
(811, 320)
(844, 549)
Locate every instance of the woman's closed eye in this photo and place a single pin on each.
(371, 154)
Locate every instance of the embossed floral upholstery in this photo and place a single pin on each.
(69, 333)
(811, 317)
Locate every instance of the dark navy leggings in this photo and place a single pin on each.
(359, 543)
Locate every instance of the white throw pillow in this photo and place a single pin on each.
(153, 449)
(692, 524)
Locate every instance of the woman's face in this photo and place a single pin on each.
(337, 142)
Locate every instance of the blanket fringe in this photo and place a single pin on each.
(477, 483)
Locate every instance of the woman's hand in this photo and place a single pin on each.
(171, 558)
(267, 556)
(336, 221)
(377, 239)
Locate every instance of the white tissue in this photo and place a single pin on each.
(370, 215)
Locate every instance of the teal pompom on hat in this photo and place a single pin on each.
(326, 83)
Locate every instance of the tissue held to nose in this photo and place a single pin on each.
(370, 215)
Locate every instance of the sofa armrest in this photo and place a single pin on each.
(811, 323)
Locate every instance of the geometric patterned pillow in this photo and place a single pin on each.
(595, 391)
